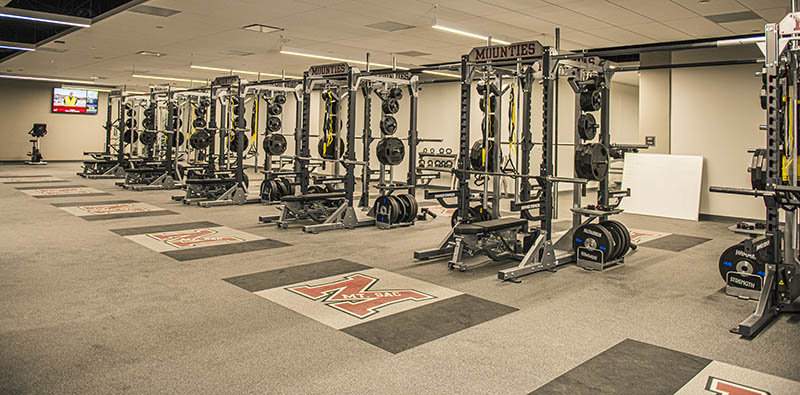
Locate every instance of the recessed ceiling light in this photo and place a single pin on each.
(412, 53)
(234, 52)
(259, 28)
(390, 26)
(151, 53)
(15, 46)
(156, 11)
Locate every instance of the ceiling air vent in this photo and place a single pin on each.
(412, 53)
(156, 11)
(733, 17)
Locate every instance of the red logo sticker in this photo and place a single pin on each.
(61, 191)
(185, 239)
(352, 295)
(113, 208)
(724, 387)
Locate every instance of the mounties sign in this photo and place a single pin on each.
(528, 49)
(328, 69)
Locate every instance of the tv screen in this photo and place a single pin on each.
(75, 101)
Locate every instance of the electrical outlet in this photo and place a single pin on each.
(650, 140)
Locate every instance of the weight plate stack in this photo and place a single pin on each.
(390, 151)
(758, 169)
(622, 230)
(591, 162)
(594, 237)
(735, 259)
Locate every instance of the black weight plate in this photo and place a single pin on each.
(275, 109)
(240, 122)
(390, 151)
(148, 138)
(626, 236)
(283, 190)
(279, 100)
(200, 139)
(617, 237)
(200, 112)
(130, 134)
(414, 206)
(148, 112)
(275, 144)
(405, 208)
(274, 124)
(396, 93)
(390, 106)
(591, 162)
(476, 157)
(131, 123)
(590, 100)
(389, 125)
(587, 126)
(179, 140)
(383, 209)
(593, 237)
(234, 142)
(266, 190)
(735, 259)
(396, 209)
(289, 186)
(326, 150)
(757, 169)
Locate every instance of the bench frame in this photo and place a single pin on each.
(343, 217)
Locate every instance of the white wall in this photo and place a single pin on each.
(716, 114)
(654, 102)
(68, 135)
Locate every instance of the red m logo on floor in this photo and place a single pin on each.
(724, 387)
(352, 295)
(192, 238)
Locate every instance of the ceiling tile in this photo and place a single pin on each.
(712, 7)
(699, 27)
(659, 32)
(746, 27)
(606, 12)
(773, 15)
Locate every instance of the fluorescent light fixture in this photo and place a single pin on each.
(308, 55)
(44, 17)
(25, 77)
(151, 53)
(468, 34)
(155, 77)
(86, 87)
(440, 73)
(17, 46)
(243, 72)
(259, 28)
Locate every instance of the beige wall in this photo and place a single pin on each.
(68, 135)
(716, 115)
(654, 102)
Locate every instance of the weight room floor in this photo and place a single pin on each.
(85, 310)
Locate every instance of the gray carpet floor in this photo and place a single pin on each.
(85, 311)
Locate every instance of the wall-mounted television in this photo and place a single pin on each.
(75, 101)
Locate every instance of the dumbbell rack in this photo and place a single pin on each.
(438, 170)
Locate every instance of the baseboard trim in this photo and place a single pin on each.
(725, 218)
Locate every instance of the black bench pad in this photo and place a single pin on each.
(311, 197)
(210, 181)
(491, 226)
(147, 170)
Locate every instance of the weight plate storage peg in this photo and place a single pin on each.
(587, 126)
(275, 144)
(390, 106)
(594, 237)
(735, 259)
(391, 151)
(590, 100)
(389, 125)
(591, 162)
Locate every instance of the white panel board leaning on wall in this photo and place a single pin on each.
(663, 185)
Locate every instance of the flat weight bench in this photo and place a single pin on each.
(476, 238)
(494, 225)
(313, 197)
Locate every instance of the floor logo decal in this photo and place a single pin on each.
(639, 236)
(725, 387)
(385, 309)
(108, 210)
(196, 240)
(61, 191)
(353, 296)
